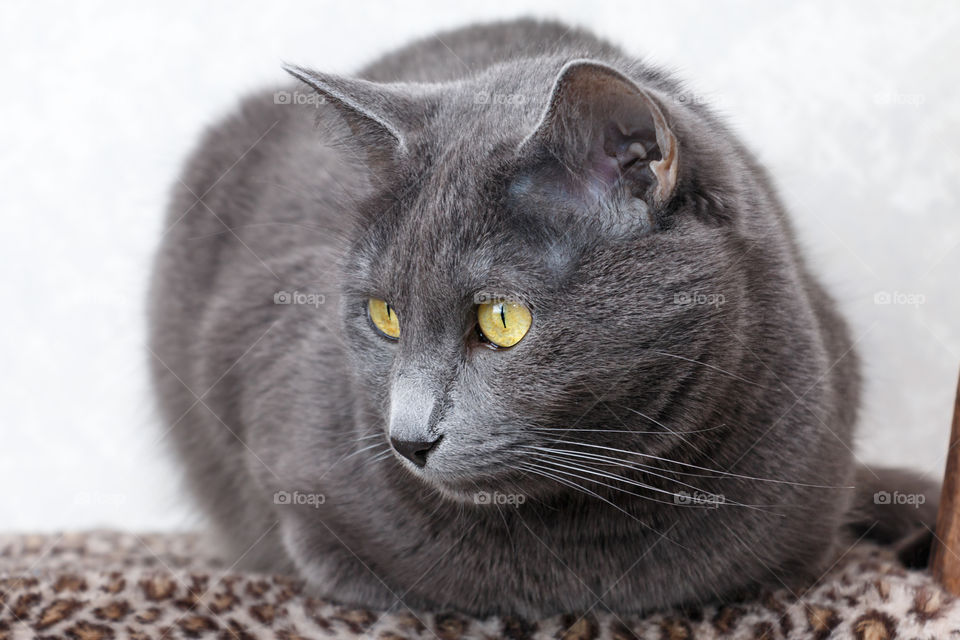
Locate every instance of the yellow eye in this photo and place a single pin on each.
(504, 323)
(384, 318)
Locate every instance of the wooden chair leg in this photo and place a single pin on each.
(945, 555)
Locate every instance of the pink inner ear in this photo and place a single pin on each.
(610, 132)
(619, 150)
(627, 144)
(608, 135)
(606, 162)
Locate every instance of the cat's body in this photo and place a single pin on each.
(432, 196)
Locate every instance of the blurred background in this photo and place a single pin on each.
(853, 107)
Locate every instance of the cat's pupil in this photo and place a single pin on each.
(503, 317)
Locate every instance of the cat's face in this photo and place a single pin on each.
(615, 285)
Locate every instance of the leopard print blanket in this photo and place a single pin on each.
(102, 584)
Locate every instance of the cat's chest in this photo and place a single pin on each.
(518, 556)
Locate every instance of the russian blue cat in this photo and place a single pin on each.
(506, 323)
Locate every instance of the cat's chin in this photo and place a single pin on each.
(456, 494)
(482, 492)
(480, 498)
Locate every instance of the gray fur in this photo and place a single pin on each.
(422, 194)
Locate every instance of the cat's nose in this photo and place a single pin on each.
(414, 450)
(414, 413)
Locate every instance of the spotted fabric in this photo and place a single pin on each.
(103, 584)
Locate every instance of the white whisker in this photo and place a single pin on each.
(721, 426)
(693, 466)
(567, 464)
(550, 473)
(367, 448)
(383, 455)
(604, 484)
(710, 366)
(621, 463)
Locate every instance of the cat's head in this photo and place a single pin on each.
(542, 266)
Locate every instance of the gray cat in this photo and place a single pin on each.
(507, 324)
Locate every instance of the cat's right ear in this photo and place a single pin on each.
(380, 116)
(611, 138)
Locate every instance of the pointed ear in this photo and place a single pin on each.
(610, 133)
(379, 115)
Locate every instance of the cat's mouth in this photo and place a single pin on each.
(484, 477)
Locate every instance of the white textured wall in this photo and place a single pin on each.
(854, 107)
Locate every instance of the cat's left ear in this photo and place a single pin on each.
(380, 116)
(614, 135)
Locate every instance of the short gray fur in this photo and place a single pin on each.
(448, 173)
